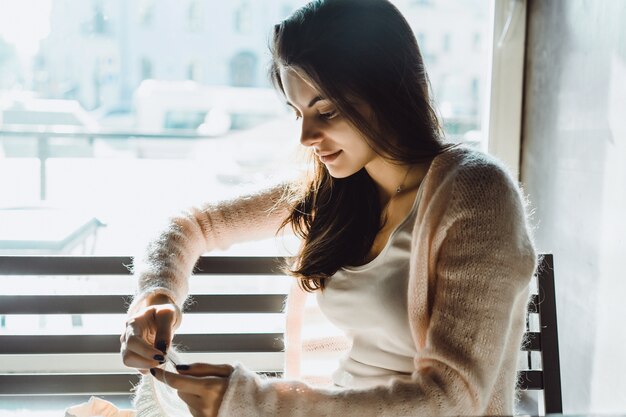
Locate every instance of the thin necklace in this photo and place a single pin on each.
(400, 187)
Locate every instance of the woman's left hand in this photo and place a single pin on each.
(201, 386)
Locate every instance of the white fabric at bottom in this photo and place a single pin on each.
(97, 407)
(155, 399)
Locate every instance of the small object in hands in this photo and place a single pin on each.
(173, 363)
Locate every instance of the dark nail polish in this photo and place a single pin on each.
(159, 358)
(162, 346)
(183, 367)
(152, 371)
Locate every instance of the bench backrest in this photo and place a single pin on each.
(43, 362)
(78, 364)
(544, 341)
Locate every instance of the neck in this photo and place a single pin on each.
(389, 177)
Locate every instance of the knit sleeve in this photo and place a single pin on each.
(483, 261)
(478, 292)
(166, 264)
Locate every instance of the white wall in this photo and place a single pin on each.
(573, 167)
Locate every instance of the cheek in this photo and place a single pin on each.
(360, 151)
(356, 152)
(352, 159)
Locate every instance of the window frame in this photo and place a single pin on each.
(504, 98)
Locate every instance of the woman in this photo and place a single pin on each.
(420, 250)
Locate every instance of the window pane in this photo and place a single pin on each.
(115, 114)
(191, 78)
(450, 34)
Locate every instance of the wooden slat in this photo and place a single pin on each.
(530, 380)
(46, 344)
(64, 265)
(75, 384)
(111, 363)
(118, 304)
(67, 384)
(118, 265)
(121, 383)
(532, 342)
(38, 401)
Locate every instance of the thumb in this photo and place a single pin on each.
(164, 319)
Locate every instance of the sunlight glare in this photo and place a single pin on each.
(24, 23)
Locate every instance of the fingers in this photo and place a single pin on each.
(203, 394)
(186, 383)
(139, 341)
(133, 360)
(144, 349)
(164, 319)
(205, 369)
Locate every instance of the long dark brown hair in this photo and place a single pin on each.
(362, 49)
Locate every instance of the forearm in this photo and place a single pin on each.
(166, 264)
(250, 395)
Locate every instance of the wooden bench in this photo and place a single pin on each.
(86, 364)
(37, 363)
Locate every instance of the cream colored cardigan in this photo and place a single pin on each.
(471, 262)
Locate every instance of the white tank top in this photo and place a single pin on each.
(369, 303)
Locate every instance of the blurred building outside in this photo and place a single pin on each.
(194, 67)
(100, 51)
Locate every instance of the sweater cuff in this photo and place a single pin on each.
(140, 297)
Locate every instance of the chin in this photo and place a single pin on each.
(340, 173)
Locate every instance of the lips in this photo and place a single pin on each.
(320, 154)
(327, 157)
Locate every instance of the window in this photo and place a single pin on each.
(145, 12)
(194, 71)
(196, 86)
(160, 83)
(195, 16)
(100, 21)
(243, 69)
(442, 31)
(243, 18)
(146, 68)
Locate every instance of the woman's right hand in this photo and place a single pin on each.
(149, 331)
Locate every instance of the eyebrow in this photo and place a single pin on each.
(311, 103)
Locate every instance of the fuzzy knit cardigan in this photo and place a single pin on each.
(471, 261)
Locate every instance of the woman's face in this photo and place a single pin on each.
(337, 143)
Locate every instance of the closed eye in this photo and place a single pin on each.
(324, 116)
(329, 115)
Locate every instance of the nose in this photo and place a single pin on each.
(310, 133)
